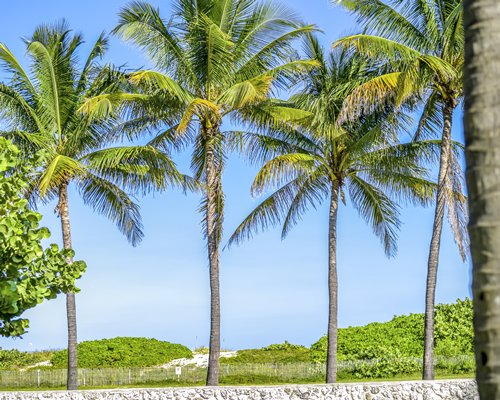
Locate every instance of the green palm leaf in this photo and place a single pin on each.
(109, 200)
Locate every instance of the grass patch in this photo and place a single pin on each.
(245, 380)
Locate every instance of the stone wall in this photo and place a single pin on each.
(438, 390)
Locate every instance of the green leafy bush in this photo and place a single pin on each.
(201, 350)
(15, 359)
(454, 332)
(283, 353)
(403, 336)
(456, 365)
(29, 274)
(284, 346)
(123, 352)
(388, 366)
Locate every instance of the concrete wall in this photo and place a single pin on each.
(438, 390)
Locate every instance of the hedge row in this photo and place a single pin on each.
(395, 347)
(400, 338)
(123, 352)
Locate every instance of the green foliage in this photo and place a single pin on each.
(214, 61)
(323, 158)
(421, 46)
(388, 365)
(456, 365)
(382, 350)
(123, 352)
(28, 273)
(201, 350)
(284, 346)
(454, 332)
(284, 353)
(402, 337)
(42, 109)
(396, 347)
(14, 359)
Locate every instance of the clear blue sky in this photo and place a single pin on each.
(272, 290)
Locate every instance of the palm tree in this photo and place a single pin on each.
(423, 42)
(42, 110)
(217, 60)
(327, 160)
(482, 129)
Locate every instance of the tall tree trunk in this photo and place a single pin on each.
(432, 266)
(331, 359)
(482, 133)
(72, 383)
(213, 222)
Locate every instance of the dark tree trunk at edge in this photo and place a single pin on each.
(432, 267)
(214, 188)
(482, 134)
(331, 360)
(72, 383)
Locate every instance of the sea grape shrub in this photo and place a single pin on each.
(286, 346)
(282, 353)
(386, 366)
(456, 365)
(123, 352)
(403, 336)
(29, 274)
(15, 359)
(454, 332)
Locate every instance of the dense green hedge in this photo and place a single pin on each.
(123, 352)
(13, 359)
(387, 349)
(403, 336)
(390, 348)
(284, 353)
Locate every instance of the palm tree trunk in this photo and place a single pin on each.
(213, 220)
(482, 133)
(72, 383)
(331, 359)
(432, 266)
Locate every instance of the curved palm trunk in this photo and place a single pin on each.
(331, 359)
(432, 266)
(482, 131)
(214, 192)
(72, 383)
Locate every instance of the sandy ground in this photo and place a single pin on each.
(198, 360)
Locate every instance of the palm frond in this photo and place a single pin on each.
(136, 168)
(372, 95)
(430, 122)
(153, 80)
(379, 17)
(15, 108)
(377, 210)
(141, 24)
(104, 105)
(313, 189)
(59, 171)
(456, 202)
(109, 200)
(260, 148)
(247, 93)
(198, 106)
(98, 50)
(15, 70)
(282, 169)
(269, 212)
(48, 84)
